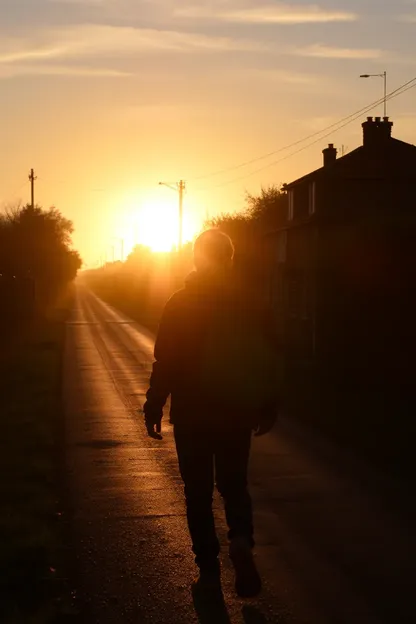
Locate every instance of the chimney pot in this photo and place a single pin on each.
(330, 155)
(377, 132)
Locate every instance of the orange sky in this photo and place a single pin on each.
(105, 102)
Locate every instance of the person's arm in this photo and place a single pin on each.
(161, 377)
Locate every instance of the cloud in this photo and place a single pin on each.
(287, 76)
(280, 13)
(93, 2)
(99, 40)
(323, 51)
(30, 55)
(409, 19)
(18, 70)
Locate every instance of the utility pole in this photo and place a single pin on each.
(32, 179)
(180, 188)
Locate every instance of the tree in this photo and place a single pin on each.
(263, 214)
(35, 244)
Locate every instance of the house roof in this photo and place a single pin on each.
(395, 158)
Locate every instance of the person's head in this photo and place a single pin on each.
(213, 251)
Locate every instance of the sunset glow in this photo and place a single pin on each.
(153, 221)
(183, 90)
(159, 229)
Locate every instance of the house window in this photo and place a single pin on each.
(291, 204)
(312, 198)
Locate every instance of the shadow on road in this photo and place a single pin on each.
(210, 609)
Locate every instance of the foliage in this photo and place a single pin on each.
(35, 252)
(248, 229)
(145, 281)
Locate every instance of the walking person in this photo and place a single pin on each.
(213, 356)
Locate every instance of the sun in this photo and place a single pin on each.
(148, 219)
(158, 226)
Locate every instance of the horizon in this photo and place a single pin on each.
(104, 101)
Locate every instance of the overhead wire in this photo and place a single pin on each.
(344, 121)
(347, 121)
(14, 194)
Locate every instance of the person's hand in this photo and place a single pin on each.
(153, 422)
(266, 421)
(154, 429)
(265, 426)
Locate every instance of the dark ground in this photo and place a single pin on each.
(333, 544)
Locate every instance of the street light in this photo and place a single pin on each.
(383, 75)
(179, 188)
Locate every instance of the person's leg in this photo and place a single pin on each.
(196, 464)
(232, 452)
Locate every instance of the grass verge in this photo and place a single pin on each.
(33, 563)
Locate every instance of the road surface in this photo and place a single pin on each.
(330, 550)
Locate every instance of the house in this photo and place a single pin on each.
(343, 283)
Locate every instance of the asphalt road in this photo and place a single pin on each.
(330, 549)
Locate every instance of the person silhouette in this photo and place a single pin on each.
(221, 391)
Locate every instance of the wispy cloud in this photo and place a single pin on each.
(329, 52)
(409, 18)
(94, 2)
(287, 77)
(280, 13)
(27, 54)
(98, 41)
(18, 70)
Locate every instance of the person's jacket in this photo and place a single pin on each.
(178, 347)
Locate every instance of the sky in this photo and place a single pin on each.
(105, 98)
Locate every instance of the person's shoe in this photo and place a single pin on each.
(208, 581)
(247, 578)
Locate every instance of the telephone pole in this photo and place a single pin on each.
(180, 188)
(32, 179)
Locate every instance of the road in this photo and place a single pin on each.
(330, 550)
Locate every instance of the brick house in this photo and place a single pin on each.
(343, 281)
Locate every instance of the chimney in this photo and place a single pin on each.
(330, 155)
(377, 131)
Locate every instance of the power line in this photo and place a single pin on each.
(307, 138)
(391, 96)
(12, 196)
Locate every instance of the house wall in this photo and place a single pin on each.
(292, 288)
(353, 199)
(367, 302)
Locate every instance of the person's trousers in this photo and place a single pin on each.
(202, 454)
